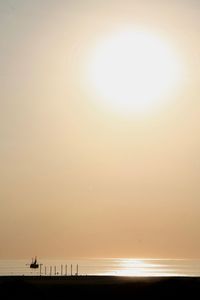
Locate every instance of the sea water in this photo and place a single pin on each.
(106, 266)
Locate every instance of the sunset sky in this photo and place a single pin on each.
(87, 171)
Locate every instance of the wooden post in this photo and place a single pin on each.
(50, 270)
(54, 270)
(77, 270)
(65, 270)
(45, 270)
(61, 270)
(71, 270)
(40, 269)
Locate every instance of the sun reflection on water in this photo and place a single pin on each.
(140, 268)
(135, 267)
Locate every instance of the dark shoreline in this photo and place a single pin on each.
(93, 287)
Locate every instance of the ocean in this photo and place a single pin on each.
(106, 266)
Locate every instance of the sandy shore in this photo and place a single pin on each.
(95, 287)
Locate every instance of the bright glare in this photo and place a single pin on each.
(138, 267)
(133, 72)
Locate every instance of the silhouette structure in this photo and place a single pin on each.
(34, 264)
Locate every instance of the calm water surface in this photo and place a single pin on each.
(116, 267)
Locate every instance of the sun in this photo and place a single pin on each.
(132, 71)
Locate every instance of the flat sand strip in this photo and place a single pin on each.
(93, 287)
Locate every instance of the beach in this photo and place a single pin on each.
(93, 287)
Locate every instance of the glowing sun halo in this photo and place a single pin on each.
(132, 71)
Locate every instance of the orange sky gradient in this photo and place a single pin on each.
(76, 179)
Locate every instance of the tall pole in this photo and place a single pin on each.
(54, 270)
(61, 270)
(77, 270)
(40, 269)
(71, 270)
(65, 270)
(50, 270)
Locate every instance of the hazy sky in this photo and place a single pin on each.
(76, 180)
